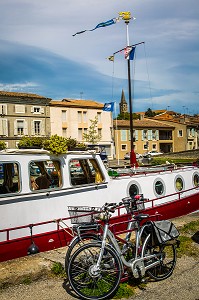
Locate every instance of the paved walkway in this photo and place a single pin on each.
(183, 284)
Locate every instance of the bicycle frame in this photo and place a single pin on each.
(137, 263)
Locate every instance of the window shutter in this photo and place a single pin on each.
(1, 127)
(136, 135)
(32, 128)
(157, 135)
(19, 108)
(42, 123)
(42, 110)
(25, 128)
(142, 135)
(32, 109)
(149, 135)
(15, 127)
(3, 109)
(5, 127)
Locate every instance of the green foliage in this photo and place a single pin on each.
(149, 113)
(188, 246)
(56, 144)
(2, 145)
(126, 116)
(124, 291)
(58, 269)
(162, 160)
(31, 142)
(27, 280)
(92, 136)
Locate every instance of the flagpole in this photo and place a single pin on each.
(117, 138)
(126, 16)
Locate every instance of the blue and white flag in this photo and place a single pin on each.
(102, 24)
(108, 106)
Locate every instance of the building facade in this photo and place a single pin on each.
(23, 114)
(72, 118)
(148, 135)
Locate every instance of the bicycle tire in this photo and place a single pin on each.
(167, 259)
(78, 242)
(101, 284)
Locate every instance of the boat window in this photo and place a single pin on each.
(159, 187)
(179, 184)
(85, 171)
(9, 178)
(196, 179)
(45, 174)
(133, 190)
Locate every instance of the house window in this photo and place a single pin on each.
(63, 114)
(180, 133)
(99, 115)
(123, 135)
(37, 110)
(20, 127)
(154, 135)
(123, 147)
(64, 132)
(100, 131)
(154, 147)
(144, 134)
(84, 117)
(80, 134)
(38, 127)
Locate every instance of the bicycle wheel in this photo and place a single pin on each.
(88, 281)
(167, 259)
(78, 242)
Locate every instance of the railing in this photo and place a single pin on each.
(179, 195)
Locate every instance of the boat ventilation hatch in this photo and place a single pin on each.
(33, 248)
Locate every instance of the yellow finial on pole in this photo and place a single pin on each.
(125, 15)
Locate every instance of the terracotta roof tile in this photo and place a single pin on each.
(25, 95)
(148, 123)
(77, 103)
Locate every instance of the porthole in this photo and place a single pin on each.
(133, 189)
(196, 179)
(159, 187)
(179, 183)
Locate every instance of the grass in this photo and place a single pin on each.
(189, 240)
(57, 269)
(187, 247)
(162, 160)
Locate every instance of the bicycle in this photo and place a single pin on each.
(86, 229)
(95, 269)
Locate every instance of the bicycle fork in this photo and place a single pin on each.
(95, 269)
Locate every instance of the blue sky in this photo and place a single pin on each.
(38, 53)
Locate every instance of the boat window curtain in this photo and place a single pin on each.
(98, 174)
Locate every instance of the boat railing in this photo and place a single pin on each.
(62, 222)
(121, 172)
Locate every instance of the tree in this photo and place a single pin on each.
(92, 136)
(126, 116)
(149, 113)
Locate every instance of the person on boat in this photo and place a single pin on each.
(43, 182)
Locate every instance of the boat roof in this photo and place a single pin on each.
(43, 151)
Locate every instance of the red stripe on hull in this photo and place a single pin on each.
(51, 240)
